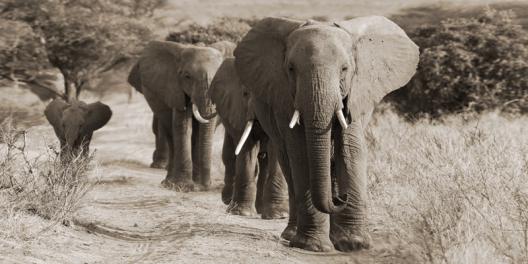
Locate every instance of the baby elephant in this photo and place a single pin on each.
(258, 156)
(74, 123)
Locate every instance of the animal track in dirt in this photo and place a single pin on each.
(134, 203)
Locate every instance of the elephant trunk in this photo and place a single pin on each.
(205, 147)
(205, 106)
(318, 107)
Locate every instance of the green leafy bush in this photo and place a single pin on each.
(468, 64)
(225, 28)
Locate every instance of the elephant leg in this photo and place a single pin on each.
(275, 196)
(263, 172)
(179, 176)
(229, 160)
(195, 150)
(243, 202)
(348, 230)
(291, 229)
(161, 153)
(313, 227)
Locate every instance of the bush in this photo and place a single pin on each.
(43, 185)
(468, 64)
(225, 28)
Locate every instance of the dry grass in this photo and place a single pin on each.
(42, 186)
(455, 191)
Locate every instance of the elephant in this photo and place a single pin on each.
(257, 157)
(74, 123)
(314, 86)
(174, 79)
(160, 155)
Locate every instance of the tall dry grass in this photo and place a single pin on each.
(455, 191)
(42, 186)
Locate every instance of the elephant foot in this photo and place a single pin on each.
(179, 185)
(242, 209)
(289, 232)
(275, 210)
(346, 241)
(227, 194)
(317, 243)
(159, 164)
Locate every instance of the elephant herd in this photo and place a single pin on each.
(294, 97)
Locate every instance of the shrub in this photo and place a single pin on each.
(474, 64)
(225, 28)
(42, 185)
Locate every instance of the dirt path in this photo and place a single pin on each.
(129, 218)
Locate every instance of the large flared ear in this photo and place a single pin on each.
(160, 72)
(53, 113)
(134, 77)
(98, 114)
(385, 60)
(229, 96)
(225, 47)
(260, 56)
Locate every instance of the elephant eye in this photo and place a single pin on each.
(344, 68)
(186, 75)
(290, 68)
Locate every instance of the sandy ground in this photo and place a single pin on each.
(130, 218)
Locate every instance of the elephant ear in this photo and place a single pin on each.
(98, 114)
(159, 67)
(225, 47)
(53, 113)
(134, 78)
(260, 56)
(230, 97)
(385, 59)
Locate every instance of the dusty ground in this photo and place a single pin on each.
(129, 217)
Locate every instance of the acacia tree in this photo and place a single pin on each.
(83, 38)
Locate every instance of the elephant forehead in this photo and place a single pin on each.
(205, 62)
(321, 43)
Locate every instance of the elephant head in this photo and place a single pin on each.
(325, 74)
(180, 74)
(232, 100)
(75, 122)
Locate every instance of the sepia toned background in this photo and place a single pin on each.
(448, 153)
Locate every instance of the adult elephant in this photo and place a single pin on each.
(74, 123)
(160, 156)
(258, 156)
(175, 79)
(314, 86)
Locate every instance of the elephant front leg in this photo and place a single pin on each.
(160, 156)
(179, 176)
(348, 229)
(275, 189)
(229, 160)
(243, 202)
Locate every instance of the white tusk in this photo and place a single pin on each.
(295, 119)
(244, 137)
(197, 115)
(341, 119)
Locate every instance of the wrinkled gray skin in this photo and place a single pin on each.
(173, 77)
(257, 159)
(320, 69)
(75, 122)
